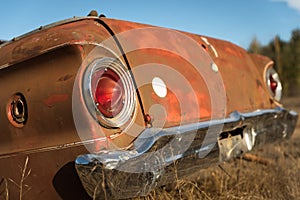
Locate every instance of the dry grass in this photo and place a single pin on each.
(242, 179)
(277, 179)
(23, 188)
(4, 192)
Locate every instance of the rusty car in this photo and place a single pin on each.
(93, 107)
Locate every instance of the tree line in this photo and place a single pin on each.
(286, 55)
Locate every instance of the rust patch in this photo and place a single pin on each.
(21, 50)
(65, 78)
(234, 52)
(55, 98)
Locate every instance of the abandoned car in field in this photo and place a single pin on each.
(93, 107)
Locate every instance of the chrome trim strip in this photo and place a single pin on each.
(56, 147)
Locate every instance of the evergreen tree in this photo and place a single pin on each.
(294, 60)
(286, 56)
(255, 46)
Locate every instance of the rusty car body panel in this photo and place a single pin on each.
(38, 156)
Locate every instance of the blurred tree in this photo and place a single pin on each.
(286, 56)
(255, 46)
(294, 61)
(278, 45)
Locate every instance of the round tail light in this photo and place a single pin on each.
(109, 92)
(273, 83)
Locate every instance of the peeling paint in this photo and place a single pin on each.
(65, 78)
(211, 46)
(55, 98)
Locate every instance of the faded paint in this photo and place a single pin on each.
(50, 58)
(232, 62)
(211, 46)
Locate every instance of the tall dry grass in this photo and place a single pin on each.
(240, 179)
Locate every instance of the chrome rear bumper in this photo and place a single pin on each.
(158, 157)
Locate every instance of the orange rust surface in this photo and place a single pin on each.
(242, 73)
(196, 99)
(43, 66)
(43, 40)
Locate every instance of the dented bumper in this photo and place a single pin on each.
(158, 157)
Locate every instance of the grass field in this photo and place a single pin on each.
(273, 173)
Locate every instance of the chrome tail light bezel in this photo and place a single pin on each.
(129, 102)
(271, 75)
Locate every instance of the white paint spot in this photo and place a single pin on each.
(214, 67)
(159, 87)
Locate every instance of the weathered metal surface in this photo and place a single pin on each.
(43, 65)
(80, 31)
(48, 174)
(49, 122)
(234, 64)
(45, 76)
(48, 60)
(241, 73)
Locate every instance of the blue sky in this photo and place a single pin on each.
(237, 21)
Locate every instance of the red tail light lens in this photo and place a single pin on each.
(273, 83)
(109, 92)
